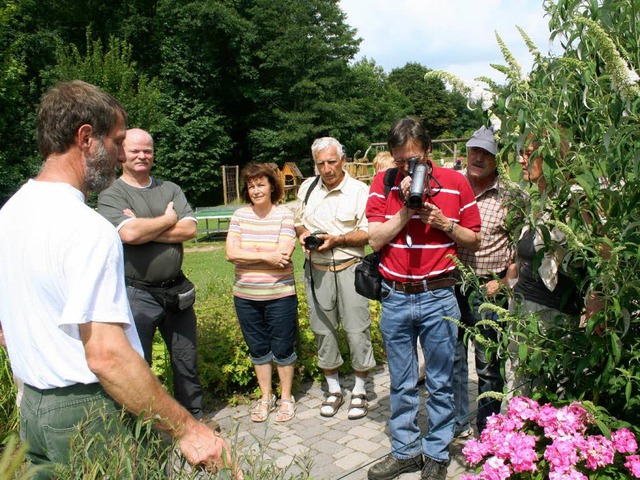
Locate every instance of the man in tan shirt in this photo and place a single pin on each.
(332, 228)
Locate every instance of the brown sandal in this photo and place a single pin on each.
(262, 409)
(360, 403)
(287, 410)
(335, 404)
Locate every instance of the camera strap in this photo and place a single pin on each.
(310, 189)
(389, 179)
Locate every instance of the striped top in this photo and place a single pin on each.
(263, 281)
(419, 252)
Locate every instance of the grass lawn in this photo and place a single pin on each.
(206, 266)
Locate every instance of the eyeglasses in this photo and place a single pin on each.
(400, 162)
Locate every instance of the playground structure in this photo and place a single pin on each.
(360, 168)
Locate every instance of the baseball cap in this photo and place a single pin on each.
(483, 138)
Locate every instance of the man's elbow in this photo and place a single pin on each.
(475, 244)
(375, 244)
(191, 232)
(129, 237)
(100, 361)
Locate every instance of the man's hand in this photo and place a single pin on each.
(330, 241)
(200, 445)
(171, 213)
(433, 216)
(492, 287)
(301, 239)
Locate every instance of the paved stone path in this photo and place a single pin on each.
(338, 447)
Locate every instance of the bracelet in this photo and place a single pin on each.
(451, 225)
(344, 241)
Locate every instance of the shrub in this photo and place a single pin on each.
(533, 441)
(8, 409)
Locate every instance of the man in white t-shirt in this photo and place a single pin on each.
(64, 314)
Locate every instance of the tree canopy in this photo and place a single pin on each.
(217, 82)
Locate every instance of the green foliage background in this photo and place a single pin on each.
(217, 82)
(586, 98)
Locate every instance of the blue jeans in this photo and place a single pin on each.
(404, 318)
(269, 328)
(487, 369)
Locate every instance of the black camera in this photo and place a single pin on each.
(417, 172)
(313, 241)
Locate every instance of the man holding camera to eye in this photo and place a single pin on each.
(332, 228)
(416, 233)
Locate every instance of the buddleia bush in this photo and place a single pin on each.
(583, 104)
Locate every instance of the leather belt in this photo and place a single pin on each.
(422, 286)
(146, 285)
(336, 268)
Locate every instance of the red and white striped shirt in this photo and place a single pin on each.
(420, 251)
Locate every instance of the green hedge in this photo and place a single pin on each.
(225, 367)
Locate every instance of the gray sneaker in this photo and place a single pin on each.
(434, 470)
(391, 467)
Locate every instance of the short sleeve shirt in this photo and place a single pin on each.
(60, 267)
(263, 235)
(495, 252)
(336, 212)
(419, 251)
(151, 262)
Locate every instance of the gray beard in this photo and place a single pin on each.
(100, 171)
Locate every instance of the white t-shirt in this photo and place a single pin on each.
(61, 265)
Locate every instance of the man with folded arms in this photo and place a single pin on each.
(153, 219)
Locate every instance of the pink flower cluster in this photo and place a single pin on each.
(511, 444)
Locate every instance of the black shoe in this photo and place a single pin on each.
(391, 467)
(434, 470)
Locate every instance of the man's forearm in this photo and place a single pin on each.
(127, 378)
(465, 237)
(357, 238)
(381, 234)
(184, 230)
(143, 230)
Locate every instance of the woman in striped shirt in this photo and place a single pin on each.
(260, 242)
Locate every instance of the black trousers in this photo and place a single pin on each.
(178, 329)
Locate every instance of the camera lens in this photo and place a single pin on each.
(416, 189)
(312, 242)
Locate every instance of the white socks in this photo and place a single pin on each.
(333, 383)
(359, 386)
